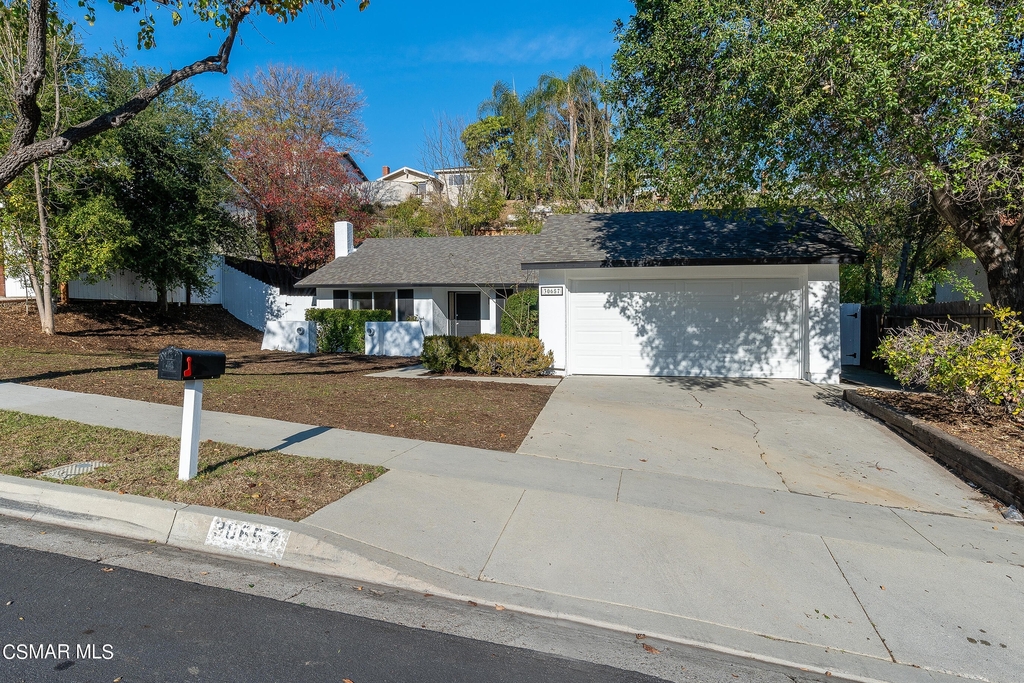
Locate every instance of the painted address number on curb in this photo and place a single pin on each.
(244, 537)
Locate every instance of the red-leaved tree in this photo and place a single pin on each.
(294, 189)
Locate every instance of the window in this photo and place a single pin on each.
(384, 301)
(406, 304)
(365, 301)
(458, 180)
(341, 298)
(361, 301)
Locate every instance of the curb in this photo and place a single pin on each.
(971, 463)
(295, 545)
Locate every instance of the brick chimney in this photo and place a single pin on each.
(385, 170)
(343, 244)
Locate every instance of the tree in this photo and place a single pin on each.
(728, 103)
(302, 104)
(30, 209)
(23, 147)
(166, 178)
(294, 189)
(553, 143)
(292, 128)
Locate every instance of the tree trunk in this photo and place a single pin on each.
(161, 297)
(46, 297)
(902, 283)
(985, 238)
(65, 293)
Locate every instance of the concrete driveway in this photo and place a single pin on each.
(771, 434)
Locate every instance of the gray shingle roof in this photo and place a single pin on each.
(678, 238)
(431, 261)
(655, 238)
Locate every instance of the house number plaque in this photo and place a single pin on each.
(551, 291)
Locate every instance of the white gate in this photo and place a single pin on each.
(849, 333)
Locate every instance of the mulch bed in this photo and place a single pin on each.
(994, 432)
(110, 349)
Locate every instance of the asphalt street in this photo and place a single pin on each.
(169, 614)
(128, 626)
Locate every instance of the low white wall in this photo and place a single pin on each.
(394, 339)
(290, 335)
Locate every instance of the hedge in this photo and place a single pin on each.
(341, 330)
(486, 354)
(521, 317)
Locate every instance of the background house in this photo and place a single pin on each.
(967, 268)
(394, 187)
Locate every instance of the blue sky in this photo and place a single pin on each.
(415, 61)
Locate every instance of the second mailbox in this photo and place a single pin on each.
(187, 364)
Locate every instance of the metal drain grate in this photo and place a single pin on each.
(74, 469)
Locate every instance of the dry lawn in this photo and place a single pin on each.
(230, 477)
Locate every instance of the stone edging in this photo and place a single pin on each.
(999, 479)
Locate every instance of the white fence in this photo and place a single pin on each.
(250, 300)
(124, 285)
(255, 302)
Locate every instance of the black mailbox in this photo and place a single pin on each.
(184, 364)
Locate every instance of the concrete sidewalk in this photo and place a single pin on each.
(864, 591)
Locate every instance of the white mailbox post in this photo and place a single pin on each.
(190, 367)
(188, 460)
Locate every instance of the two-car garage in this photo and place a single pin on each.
(720, 327)
(692, 294)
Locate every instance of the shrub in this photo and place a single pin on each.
(440, 353)
(972, 369)
(521, 317)
(499, 354)
(486, 354)
(341, 330)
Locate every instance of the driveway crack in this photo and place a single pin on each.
(761, 451)
(694, 396)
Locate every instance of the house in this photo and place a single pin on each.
(970, 270)
(455, 181)
(451, 285)
(348, 162)
(394, 187)
(644, 293)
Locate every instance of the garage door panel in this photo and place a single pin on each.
(686, 327)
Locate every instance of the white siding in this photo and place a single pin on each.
(552, 311)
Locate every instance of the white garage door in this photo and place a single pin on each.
(715, 328)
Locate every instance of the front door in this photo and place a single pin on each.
(466, 321)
